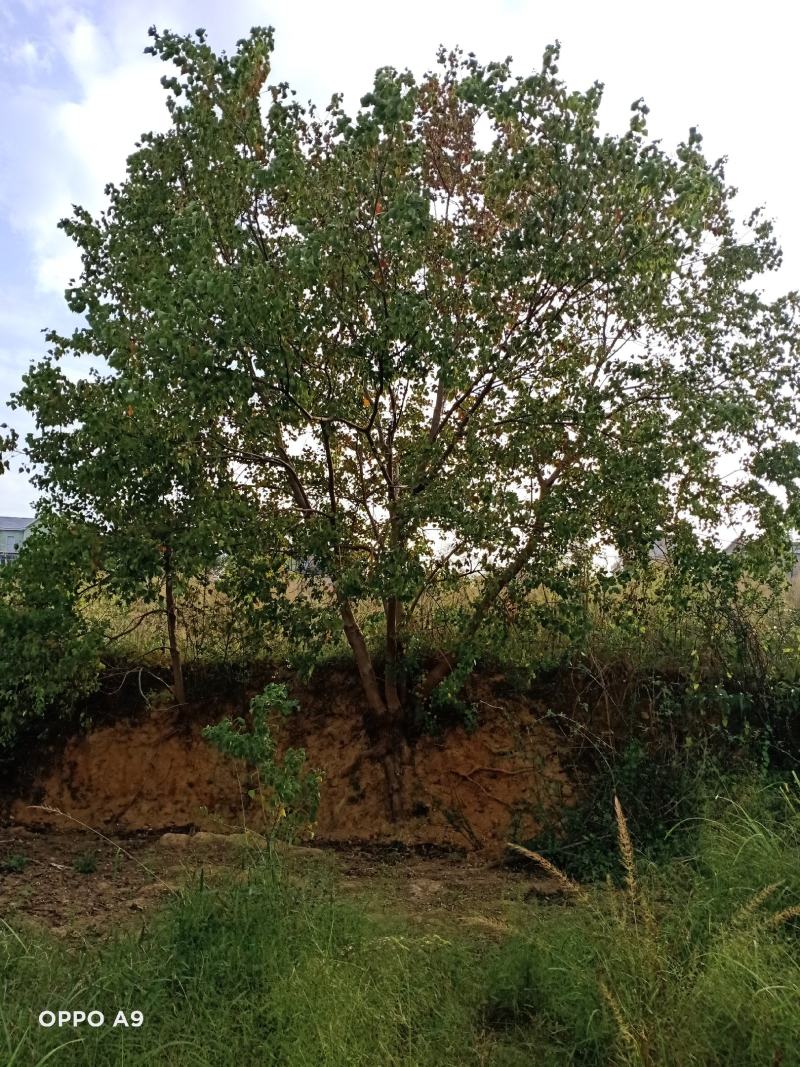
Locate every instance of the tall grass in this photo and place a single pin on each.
(647, 623)
(692, 962)
(255, 973)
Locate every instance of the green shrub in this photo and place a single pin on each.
(49, 655)
(660, 791)
(286, 790)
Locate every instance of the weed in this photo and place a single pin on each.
(286, 790)
(16, 863)
(85, 863)
(704, 977)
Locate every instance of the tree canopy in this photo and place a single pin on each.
(459, 332)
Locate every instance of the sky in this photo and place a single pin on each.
(77, 91)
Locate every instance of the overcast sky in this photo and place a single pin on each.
(77, 91)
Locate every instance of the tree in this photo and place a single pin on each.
(111, 463)
(461, 331)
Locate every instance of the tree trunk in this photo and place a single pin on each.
(178, 689)
(393, 682)
(366, 671)
(442, 668)
(392, 747)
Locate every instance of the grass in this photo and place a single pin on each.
(695, 961)
(85, 863)
(15, 863)
(258, 973)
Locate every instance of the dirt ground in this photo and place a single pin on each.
(79, 885)
(103, 827)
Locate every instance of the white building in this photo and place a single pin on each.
(13, 531)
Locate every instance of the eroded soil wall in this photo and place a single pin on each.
(467, 789)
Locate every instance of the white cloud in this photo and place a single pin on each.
(687, 78)
(30, 55)
(84, 48)
(101, 129)
(64, 151)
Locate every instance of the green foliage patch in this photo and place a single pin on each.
(50, 654)
(286, 789)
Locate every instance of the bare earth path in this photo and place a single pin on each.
(79, 885)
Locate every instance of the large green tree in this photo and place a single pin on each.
(458, 330)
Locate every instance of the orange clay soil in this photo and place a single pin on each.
(465, 790)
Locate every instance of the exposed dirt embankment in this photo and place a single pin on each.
(153, 771)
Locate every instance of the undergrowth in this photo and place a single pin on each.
(265, 972)
(691, 961)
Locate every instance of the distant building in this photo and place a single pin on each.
(13, 531)
(740, 541)
(657, 553)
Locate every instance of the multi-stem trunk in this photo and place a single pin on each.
(393, 611)
(386, 709)
(446, 663)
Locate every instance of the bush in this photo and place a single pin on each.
(49, 655)
(286, 790)
(85, 863)
(660, 791)
(692, 963)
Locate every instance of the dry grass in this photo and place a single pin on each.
(784, 916)
(628, 1037)
(625, 846)
(652, 977)
(563, 880)
(748, 910)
